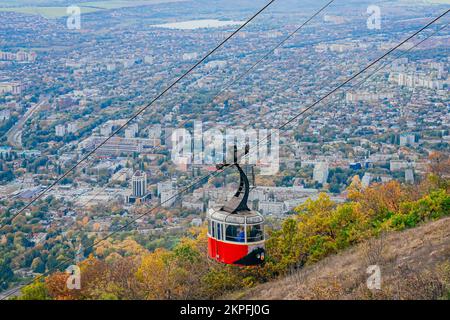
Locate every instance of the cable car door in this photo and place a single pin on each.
(219, 236)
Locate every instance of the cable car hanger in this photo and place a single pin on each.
(238, 202)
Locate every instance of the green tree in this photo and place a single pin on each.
(6, 273)
(38, 265)
(35, 291)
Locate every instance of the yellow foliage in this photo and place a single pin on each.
(85, 220)
(355, 188)
(155, 273)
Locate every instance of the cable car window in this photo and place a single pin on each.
(235, 233)
(254, 233)
(219, 231)
(209, 228)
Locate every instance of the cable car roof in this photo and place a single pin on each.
(240, 217)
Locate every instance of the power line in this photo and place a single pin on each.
(141, 111)
(247, 71)
(350, 79)
(240, 76)
(215, 173)
(402, 54)
(364, 69)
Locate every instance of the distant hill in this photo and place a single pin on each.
(415, 264)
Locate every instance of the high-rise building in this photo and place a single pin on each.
(168, 137)
(139, 192)
(139, 184)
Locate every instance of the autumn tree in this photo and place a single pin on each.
(439, 170)
(155, 272)
(35, 291)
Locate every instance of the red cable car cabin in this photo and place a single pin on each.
(236, 238)
(236, 233)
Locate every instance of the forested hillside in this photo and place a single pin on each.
(414, 264)
(320, 229)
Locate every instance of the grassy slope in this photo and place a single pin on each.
(411, 265)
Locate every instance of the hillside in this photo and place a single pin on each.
(414, 264)
(321, 251)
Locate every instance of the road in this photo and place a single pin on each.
(14, 135)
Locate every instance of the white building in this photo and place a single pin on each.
(72, 127)
(271, 207)
(396, 165)
(164, 186)
(5, 150)
(334, 19)
(366, 179)
(407, 139)
(166, 191)
(320, 173)
(128, 63)
(219, 64)
(366, 96)
(10, 87)
(154, 131)
(131, 131)
(196, 222)
(294, 203)
(122, 175)
(111, 67)
(192, 204)
(148, 59)
(168, 197)
(106, 130)
(60, 130)
(139, 184)
(416, 80)
(190, 56)
(409, 176)
(5, 115)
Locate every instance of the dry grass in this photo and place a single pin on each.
(415, 264)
